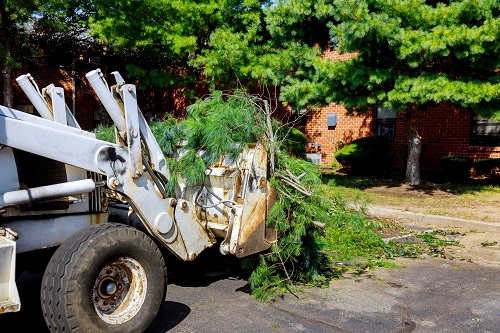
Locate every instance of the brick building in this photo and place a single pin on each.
(86, 106)
(445, 129)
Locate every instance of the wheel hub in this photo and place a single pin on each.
(119, 290)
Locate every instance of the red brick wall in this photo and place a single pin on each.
(348, 128)
(45, 74)
(445, 130)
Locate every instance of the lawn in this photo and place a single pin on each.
(473, 199)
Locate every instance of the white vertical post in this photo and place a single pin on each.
(34, 96)
(58, 105)
(97, 82)
(133, 131)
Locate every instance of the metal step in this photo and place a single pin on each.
(9, 296)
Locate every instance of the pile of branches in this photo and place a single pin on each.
(216, 127)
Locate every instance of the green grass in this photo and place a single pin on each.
(489, 243)
(436, 239)
(473, 199)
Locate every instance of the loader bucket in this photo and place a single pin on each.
(254, 235)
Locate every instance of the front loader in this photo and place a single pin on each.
(57, 185)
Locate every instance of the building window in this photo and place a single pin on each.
(485, 132)
(298, 117)
(385, 122)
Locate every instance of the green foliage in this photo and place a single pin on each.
(105, 133)
(488, 167)
(436, 239)
(168, 135)
(489, 243)
(217, 126)
(457, 167)
(293, 141)
(299, 253)
(363, 155)
(407, 52)
(171, 34)
(15, 49)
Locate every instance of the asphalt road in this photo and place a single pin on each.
(430, 295)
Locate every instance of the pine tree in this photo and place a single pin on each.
(407, 55)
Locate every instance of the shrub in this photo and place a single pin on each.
(363, 155)
(457, 167)
(105, 133)
(293, 141)
(488, 167)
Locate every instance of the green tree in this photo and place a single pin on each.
(408, 54)
(31, 27)
(61, 33)
(169, 34)
(14, 46)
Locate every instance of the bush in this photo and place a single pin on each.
(363, 155)
(457, 167)
(488, 167)
(293, 141)
(105, 133)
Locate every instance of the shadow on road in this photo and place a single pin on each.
(170, 315)
(209, 267)
(30, 316)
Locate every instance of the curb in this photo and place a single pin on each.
(433, 219)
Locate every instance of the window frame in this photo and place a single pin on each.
(484, 139)
(297, 117)
(385, 122)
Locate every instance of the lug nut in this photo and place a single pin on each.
(114, 182)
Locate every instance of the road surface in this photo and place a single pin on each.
(428, 295)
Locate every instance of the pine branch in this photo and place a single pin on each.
(293, 181)
(270, 133)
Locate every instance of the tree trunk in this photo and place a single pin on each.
(8, 94)
(414, 147)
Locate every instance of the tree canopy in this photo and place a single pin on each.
(407, 52)
(169, 34)
(14, 45)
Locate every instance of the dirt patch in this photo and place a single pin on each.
(434, 199)
(462, 244)
(478, 247)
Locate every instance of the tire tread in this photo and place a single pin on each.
(63, 261)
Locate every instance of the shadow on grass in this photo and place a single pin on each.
(396, 180)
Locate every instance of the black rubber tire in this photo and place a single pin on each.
(70, 277)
